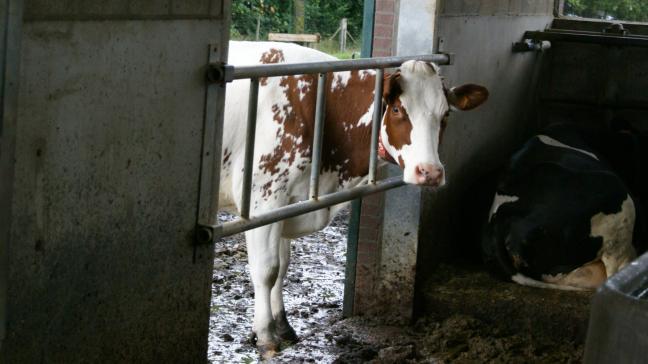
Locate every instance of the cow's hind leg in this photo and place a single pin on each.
(263, 254)
(284, 330)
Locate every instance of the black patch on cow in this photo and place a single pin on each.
(547, 231)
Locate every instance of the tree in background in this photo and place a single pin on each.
(632, 10)
(320, 16)
(272, 15)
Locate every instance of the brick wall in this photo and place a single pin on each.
(369, 244)
(385, 22)
(371, 216)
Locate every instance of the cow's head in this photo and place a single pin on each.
(417, 108)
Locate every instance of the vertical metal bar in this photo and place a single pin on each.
(367, 28)
(249, 147)
(375, 126)
(212, 144)
(320, 109)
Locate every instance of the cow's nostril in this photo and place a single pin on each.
(429, 174)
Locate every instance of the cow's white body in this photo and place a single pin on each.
(295, 186)
(416, 106)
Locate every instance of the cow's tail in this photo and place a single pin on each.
(519, 278)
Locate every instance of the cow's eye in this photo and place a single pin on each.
(395, 110)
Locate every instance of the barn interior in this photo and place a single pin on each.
(589, 77)
(101, 158)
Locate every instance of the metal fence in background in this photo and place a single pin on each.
(219, 75)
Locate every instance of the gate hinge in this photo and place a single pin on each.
(220, 72)
(204, 234)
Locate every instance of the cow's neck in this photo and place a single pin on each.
(347, 132)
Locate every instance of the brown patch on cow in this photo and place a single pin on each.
(267, 189)
(392, 88)
(296, 117)
(271, 56)
(444, 125)
(401, 162)
(467, 97)
(226, 156)
(346, 144)
(398, 125)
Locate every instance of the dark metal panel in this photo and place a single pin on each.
(10, 34)
(618, 326)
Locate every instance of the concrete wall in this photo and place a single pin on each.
(480, 34)
(108, 148)
(416, 31)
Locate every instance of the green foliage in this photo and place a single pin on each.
(322, 16)
(632, 10)
(275, 16)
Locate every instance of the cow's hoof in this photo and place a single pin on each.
(268, 351)
(252, 338)
(287, 334)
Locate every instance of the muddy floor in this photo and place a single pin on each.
(470, 317)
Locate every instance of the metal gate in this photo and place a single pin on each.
(218, 75)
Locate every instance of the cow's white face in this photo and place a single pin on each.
(417, 107)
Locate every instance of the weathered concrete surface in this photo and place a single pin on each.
(123, 9)
(416, 30)
(102, 267)
(477, 142)
(400, 235)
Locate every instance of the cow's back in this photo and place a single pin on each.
(273, 106)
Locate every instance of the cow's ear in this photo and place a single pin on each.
(392, 88)
(467, 97)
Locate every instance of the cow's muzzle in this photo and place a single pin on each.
(429, 175)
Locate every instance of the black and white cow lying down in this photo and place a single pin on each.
(561, 217)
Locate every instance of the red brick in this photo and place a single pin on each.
(381, 53)
(367, 248)
(368, 232)
(366, 262)
(384, 19)
(386, 31)
(385, 5)
(382, 43)
(369, 220)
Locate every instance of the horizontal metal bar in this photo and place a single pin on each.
(249, 147)
(578, 37)
(316, 155)
(286, 69)
(375, 126)
(240, 225)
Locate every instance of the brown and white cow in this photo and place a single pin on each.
(416, 108)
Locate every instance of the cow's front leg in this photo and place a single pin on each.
(284, 330)
(263, 255)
